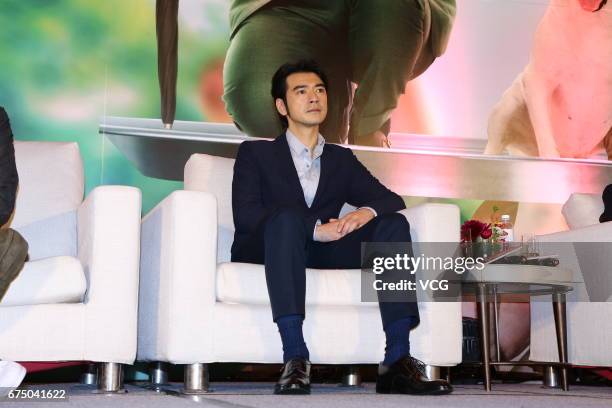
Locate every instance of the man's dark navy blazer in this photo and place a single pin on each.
(265, 180)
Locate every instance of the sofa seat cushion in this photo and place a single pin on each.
(51, 280)
(245, 283)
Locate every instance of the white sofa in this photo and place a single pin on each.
(198, 307)
(589, 326)
(77, 297)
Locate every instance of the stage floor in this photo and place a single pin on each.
(244, 395)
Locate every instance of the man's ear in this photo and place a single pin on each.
(280, 106)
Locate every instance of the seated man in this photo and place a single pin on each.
(13, 248)
(286, 199)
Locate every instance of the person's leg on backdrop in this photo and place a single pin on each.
(282, 32)
(391, 43)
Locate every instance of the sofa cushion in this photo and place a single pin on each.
(582, 210)
(245, 283)
(51, 280)
(44, 193)
(63, 229)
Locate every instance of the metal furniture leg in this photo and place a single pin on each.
(496, 323)
(89, 375)
(551, 377)
(483, 310)
(352, 377)
(159, 374)
(433, 372)
(561, 329)
(110, 378)
(196, 379)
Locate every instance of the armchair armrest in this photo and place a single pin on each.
(592, 233)
(108, 248)
(434, 222)
(178, 268)
(589, 258)
(589, 332)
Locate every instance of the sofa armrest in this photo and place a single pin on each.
(587, 252)
(433, 222)
(178, 267)
(437, 223)
(109, 248)
(588, 338)
(592, 233)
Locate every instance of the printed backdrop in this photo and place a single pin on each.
(66, 64)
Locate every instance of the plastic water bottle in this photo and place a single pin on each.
(507, 228)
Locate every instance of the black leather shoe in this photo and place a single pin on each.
(295, 378)
(407, 376)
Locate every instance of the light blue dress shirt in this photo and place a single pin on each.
(308, 167)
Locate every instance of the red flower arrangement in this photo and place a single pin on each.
(472, 229)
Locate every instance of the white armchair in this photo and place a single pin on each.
(589, 327)
(197, 307)
(77, 297)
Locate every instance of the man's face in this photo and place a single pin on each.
(306, 99)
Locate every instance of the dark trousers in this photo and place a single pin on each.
(286, 248)
(13, 254)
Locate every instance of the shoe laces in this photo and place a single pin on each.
(413, 364)
(296, 366)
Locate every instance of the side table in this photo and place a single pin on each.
(500, 282)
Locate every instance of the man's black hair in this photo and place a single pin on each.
(279, 80)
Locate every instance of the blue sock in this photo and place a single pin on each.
(290, 329)
(398, 340)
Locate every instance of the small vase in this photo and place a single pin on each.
(483, 248)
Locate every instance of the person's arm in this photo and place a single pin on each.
(247, 202)
(366, 191)
(8, 169)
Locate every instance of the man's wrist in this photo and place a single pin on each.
(371, 209)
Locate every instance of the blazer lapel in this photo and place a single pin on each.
(287, 168)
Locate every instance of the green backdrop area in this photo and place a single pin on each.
(65, 64)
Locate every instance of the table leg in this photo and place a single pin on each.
(483, 311)
(561, 329)
(496, 323)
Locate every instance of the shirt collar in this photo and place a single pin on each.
(298, 148)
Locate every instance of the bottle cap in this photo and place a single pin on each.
(505, 217)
